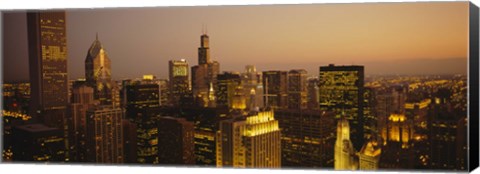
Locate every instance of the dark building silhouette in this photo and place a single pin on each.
(308, 138)
(275, 89)
(179, 83)
(204, 75)
(341, 91)
(142, 104)
(129, 141)
(47, 44)
(227, 82)
(175, 141)
(98, 73)
(313, 93)
(297, 89)
(38, 142)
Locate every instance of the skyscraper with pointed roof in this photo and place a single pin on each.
(98, 72)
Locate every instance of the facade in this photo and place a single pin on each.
(175, 141)
(252, 86)
(308, 138)
(397, 149)
(179, 83)
(142, 103)
(275, 89)
(249, 141)
(369, 156)
(345, 154)
(38, 142)
(47, 44)
(98, 73)
(313, 95)
(104, 135)
(204, 74)
(227, 83)
(341, 90)
(297, 89)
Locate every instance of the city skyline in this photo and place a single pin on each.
(311, 44)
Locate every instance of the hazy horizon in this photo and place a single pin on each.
(387, 38)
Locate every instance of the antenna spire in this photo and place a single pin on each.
(96, 36)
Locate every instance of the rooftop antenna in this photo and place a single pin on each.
(96, 36)
(206, 28)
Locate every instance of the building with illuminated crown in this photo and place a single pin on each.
(369, 156)
(249, 141)
(179, 83)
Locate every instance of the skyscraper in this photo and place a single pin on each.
(369, 156)
(47, 44)
(142, 103)
(205, 73)
(253, 86)
(104, 135)
(313, 93)
(175, 141)
(178, 80)
(297, 89)
(345, 154)
(249, 141)
(98, 73)
(227, 83)
(341, 90)
(308, 137)
(275, 89)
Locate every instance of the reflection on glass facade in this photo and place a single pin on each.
(98, 73)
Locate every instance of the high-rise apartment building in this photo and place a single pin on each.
(275, 89)
(104, 135)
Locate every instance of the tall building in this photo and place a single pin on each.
(308, 138)
(227, 83)
(98, 73)
(38, 142)
(104, 135)
(47, 44)
(370, 128)
(313, 95)
(175, 141)
(369, 156)
(341, 90)
(275, 89)
(129, 142)
(179, 83)
(142, 103)
(205, 73)
(345, 154)
(297, 89)
(397, 148)
(249, 141)
(252, 85)
(82, 101)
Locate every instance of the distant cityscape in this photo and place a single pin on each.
(339, 119)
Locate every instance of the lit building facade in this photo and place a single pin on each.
(98, 73)
(275, 89)
(345, 154)
(341, 90)
(251, 141)
(175, 141)
(142, 103)
(104, 135)
(227, 83)
(397, 149)
(369, 156)
(47, 44)
(308, 138)
(297, 89)
(179, 83)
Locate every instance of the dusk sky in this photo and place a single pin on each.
(387, 38)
